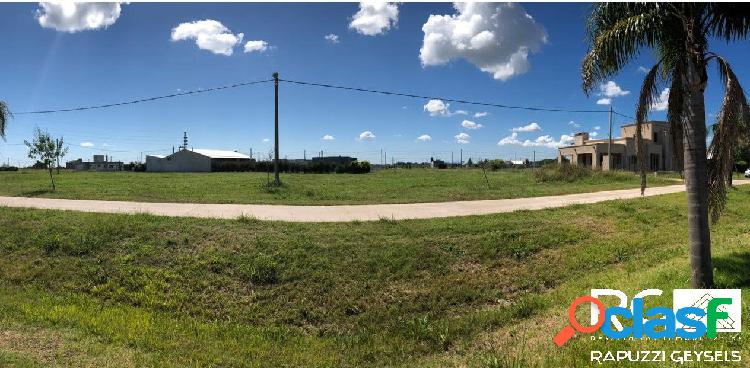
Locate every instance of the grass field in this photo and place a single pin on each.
(81, 289)
(385, 186)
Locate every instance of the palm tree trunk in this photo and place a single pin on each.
(696, 174)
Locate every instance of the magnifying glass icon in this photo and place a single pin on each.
(569, 331)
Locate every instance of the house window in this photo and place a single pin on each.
(656, 137)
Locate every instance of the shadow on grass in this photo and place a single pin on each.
(733, 270)
(36, 193)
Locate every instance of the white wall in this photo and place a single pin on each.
(180, 161)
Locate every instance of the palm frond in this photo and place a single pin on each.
(649, 91)
(729, 21)
(5, 115)
(732, 117)
(674, 117)
(617, 31)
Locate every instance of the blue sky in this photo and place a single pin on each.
(133, 55)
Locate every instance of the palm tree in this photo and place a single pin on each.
(5, 115)
(678, 34)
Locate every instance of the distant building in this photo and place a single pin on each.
(337, 161)
(657, 145)
(195, 160)
(100, 163)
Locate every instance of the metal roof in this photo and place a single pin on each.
(220, 154)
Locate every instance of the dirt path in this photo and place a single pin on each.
(337, 213)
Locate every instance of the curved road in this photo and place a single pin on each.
(368, 212)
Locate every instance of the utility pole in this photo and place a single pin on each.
(276, 179)
(451, 158)
(304, 155)
(462, 157)
(533, 164)
(251, 153)
(609, 146)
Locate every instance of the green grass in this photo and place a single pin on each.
(385, 186)
(80, 289)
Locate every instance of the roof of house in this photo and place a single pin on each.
(220, 154)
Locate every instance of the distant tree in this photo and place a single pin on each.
(469, 163)
(46, 150)
(5, 115)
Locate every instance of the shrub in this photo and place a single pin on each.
(134, 166)
(8, 168)
(495, 165)
(355, 167)
(561, 173)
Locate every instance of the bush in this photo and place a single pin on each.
(561, 173)
(355, 167)
(495, 165)
(741, 165)
(134, 166)
(8, 168)
(439, 164)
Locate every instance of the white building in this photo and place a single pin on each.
(196, 160)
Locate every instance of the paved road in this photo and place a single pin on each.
(337, 213)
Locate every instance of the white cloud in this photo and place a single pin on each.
(461, 112)
(266, 140)
(209, 35)
(424, 138)
(643, 69)
(259, 46)
(662, 102)
(541, 141)
(87, 144)
(497, 38)
(70, 16)
(468, 124)
(328, 137)
(332, 38)
(594, 134)
(604, 101)
(366, 136)
(531, 127)
(374, 17)
(462, 138)
(511, 139)
(437, 108)
(611, 89)
(597, 128)
(574, 124)
(481, 114)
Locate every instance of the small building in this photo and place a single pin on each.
(196, 160)
(657, 144)
(100, 163)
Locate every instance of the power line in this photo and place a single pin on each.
(623, 115)
(440, 98)
(148, 99)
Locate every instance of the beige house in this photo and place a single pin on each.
(657, 143)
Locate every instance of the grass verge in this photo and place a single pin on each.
(384, 186)
(80, 288)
